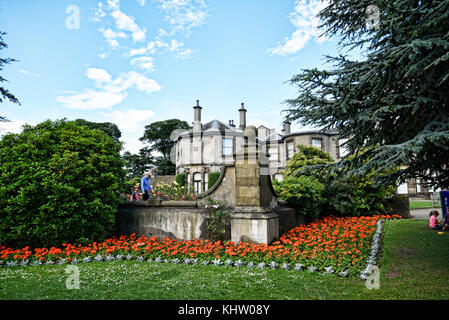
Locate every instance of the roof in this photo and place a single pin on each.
(308, 132)
(215, 126)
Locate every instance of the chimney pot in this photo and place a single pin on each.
(242, 111)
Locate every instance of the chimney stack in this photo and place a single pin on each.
(242, 111)
(287, 124)
(231, 123)
(197, 117)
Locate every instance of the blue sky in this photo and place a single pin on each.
(134, 62)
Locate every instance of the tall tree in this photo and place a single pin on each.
(137, 164)
(110, 129)
(394, 100)
(160, 137)
(4, 93)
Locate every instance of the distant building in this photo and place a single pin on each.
(206, 147)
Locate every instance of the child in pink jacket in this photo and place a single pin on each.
(433, 222)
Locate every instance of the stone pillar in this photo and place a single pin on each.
(252, 220)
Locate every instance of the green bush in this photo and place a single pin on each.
(181, 179)
(303, 193)
(130, 184)
(305, 157)
(59, 183)
(213, 177)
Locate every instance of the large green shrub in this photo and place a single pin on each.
(181, 179)
(213, 177)
(342, 195)
(306, 157)
(303, 193)
(59, 183)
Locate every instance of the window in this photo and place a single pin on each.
(227, 146)
(273, 152)
(317, 142)
(197, 182)
(206, 181)
(290, 149)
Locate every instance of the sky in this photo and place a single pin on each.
(134, 62)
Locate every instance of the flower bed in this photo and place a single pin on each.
(331, 245)
(171, 191)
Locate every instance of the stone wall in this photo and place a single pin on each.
(174, 219)
(163, 179)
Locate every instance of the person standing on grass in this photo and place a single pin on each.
(145, 185)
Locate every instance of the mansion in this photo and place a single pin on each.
(207, 147)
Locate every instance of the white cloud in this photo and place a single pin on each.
(109, 91)
(110, 34)
(183, 15)
(103, 55)
(128, 120)
(113, 43)
(98, 13)
(127, 23)
(145, 63)
(11, 126)
(98, 75)
(149, 49)
(92, 99)
(184, 54)
(141, 2)
(306, 21)
(29, 73)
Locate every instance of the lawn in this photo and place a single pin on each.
(423, 204)
(414, 266)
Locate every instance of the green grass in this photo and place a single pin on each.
(414, 266)
(423, 204)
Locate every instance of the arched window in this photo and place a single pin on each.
(197, 182)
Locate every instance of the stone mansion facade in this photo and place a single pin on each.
(207, 147)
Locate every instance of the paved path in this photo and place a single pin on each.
(423, 213)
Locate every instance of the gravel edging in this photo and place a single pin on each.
(375, 247)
